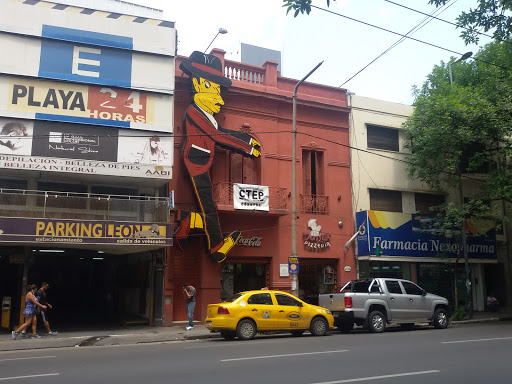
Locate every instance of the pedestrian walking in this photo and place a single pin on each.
(31, 305)
(190, 297)
(43, 313)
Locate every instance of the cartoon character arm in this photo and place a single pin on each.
(237, 141)
(229, 135)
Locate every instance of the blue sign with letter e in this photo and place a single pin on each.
(89, 57)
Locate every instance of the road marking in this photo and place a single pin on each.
(29, 376)
(28, 358)
(472, 341)
(379, 377)
(291, 354)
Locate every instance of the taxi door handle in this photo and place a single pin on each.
(281, 311)
(254, 310)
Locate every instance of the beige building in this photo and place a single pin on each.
(394, 211)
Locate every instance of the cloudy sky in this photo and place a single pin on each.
(345, 45)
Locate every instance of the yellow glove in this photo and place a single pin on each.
(254, 143)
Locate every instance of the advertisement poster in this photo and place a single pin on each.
(79, 103)
(16, 136)
(80, 148)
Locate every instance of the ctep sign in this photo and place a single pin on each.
(251, 197)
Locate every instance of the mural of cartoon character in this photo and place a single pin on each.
(203, 133)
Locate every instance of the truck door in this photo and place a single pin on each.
(419, 306)
(398, 302)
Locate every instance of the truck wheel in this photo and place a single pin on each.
(345, 327)
(376, 322)
(318, 326)
(440, 318)
(228, 335)
(297, 333)
(246, 329)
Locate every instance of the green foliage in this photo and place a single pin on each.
(465, 127)
(488, 15)
(299, 6)
(459, 313)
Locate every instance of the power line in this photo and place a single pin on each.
(420, 25)
(407, 37)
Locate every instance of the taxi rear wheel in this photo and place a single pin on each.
(318, 326)
(228, 335)
(246, 329)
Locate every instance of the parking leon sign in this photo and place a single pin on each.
(251, 197)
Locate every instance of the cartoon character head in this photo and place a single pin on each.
(207, 80)
(315, 228)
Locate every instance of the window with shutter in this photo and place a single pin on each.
(384, 200)
(243, 170)
(424, 201)
(236, 168)
(306, 172)
(382, 138)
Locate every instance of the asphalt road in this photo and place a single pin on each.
(471, 353)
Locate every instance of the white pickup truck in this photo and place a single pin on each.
(376, 302)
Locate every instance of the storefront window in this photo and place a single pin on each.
(239, 277)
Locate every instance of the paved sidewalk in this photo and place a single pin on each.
(119, 336)
(138, 335)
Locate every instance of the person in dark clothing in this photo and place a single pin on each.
(190, 297)
(41, 296)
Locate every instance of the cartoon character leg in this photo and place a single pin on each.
(218, 246)
(187, 220)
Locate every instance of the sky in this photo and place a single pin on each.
(344, 45)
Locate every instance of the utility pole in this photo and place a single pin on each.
(295, 280)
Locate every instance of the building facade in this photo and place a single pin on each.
(86, 123)
(259, 104)
(396, 239)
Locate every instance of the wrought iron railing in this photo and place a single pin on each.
(223, 195)
(82, 206)
(315, 204)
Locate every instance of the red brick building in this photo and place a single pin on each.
(259, 102)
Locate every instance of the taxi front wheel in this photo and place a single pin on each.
(246, 329)
(318, 326)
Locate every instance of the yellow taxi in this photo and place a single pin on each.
(247, 313)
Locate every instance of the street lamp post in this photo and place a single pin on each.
(221, 31)
(295, 280)
(469, 291)
(465, 56)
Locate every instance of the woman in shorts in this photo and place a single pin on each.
(31, 305)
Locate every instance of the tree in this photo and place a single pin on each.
(489, 15)
(462, 129)
(300, 6)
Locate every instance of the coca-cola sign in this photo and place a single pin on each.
(250, 241)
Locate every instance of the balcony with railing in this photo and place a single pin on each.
(314, 204)
(82, 206)
(223, 198)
